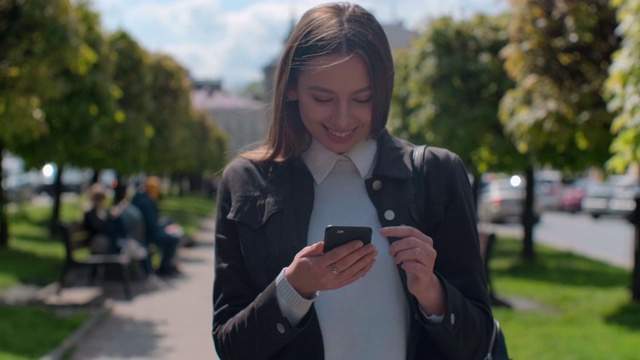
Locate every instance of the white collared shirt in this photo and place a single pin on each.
(356, 318)
(320, 161)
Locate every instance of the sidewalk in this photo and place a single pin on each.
(171, 322)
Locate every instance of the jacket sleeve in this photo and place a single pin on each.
(247, 321)
(467, 326)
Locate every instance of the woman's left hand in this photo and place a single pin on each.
(414, 252)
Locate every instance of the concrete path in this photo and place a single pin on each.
(173, 321)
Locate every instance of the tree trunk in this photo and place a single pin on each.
(96, 176)
(475, 189)
(57, 192)
(4, 222)
(635, 276)
(528, 218)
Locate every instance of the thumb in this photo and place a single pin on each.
(314, 249)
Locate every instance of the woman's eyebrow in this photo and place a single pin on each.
(328, 91)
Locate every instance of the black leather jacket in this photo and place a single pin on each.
(262, 221)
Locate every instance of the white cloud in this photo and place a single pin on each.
(234, 45)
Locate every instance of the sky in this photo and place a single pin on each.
(232, 40)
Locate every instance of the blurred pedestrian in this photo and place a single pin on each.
(97, 222)
(165, 236)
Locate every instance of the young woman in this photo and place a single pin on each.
(328, 160)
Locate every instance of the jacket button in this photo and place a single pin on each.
(376, 185)
(453, 319)
(280, 328)
(389, 215)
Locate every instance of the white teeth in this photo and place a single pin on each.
(340, 134)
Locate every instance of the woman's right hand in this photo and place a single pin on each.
(312, 269)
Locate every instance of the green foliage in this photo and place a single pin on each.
(84, 99)
(558, 55)
(131, 87)
(448, 87)
(36, 44)
(623, 88)
(564, 295)
(167, 133)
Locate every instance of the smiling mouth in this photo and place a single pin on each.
(340, 133)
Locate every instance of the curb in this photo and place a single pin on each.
(77, 336)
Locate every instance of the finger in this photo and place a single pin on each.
(351, 258)
(412, 254)
(312, 250)
(406, 244)
(341, 251)
(356, 271)
(349, 267)
(404, 231)
(399, 231)
(415, 267)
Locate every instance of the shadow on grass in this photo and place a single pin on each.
(555, 267)
(627, 316)
(29, 268)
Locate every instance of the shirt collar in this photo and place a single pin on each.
(320, 161)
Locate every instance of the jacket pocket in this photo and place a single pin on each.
(253, 210)
(259, 223)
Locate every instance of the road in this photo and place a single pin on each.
(608, 239)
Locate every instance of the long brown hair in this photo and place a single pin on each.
(335, 28)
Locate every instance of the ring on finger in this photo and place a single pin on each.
(334, 269)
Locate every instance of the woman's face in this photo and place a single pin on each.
(335, 100)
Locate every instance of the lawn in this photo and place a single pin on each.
(33, 257)
(577, 308)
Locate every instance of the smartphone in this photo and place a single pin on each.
(335, 236)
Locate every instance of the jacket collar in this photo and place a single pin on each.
(393, 157)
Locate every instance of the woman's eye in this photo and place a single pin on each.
(363, 100)
(321, 99)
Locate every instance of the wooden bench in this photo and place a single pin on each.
(487, 241)
(76, 237)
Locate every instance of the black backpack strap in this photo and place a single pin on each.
(418, 166)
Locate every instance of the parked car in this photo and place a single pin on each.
(572, 194)
(548, 189)
(74, 180)
(502, 200)
(623, 199)
(19, 186)
(597, 199)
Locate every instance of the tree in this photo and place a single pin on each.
(37, 41)
(558, 55)
(85, 102)
(168, 133)
(623, 93)
(125, 137)
(448, 88)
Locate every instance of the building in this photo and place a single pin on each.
(244, 120)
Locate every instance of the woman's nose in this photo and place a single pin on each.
(342, 114)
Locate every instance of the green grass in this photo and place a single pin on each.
(33, 257)
(583, 308)
(30, 332)
(187, 210)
